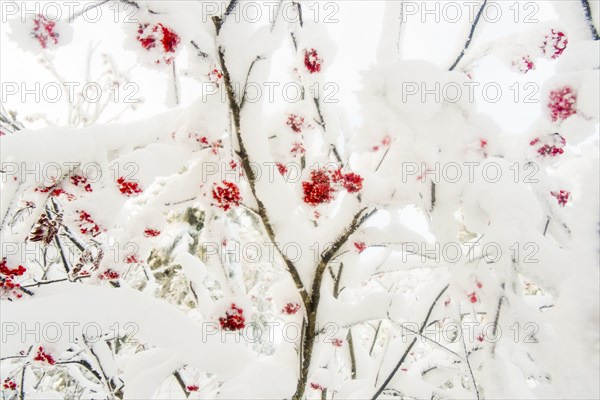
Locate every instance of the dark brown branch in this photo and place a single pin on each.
(248, 77)
(375, 337)
(321, 120)
(432, 196)
(105, 379)
(470, 37)
(546, 226)
(589, 19)
(177, 376)
(86, 9)
(382, 158)
(251, 177)
(22, 388)
(315, 297)
(231, 7)
(198, 51)
(496, 319)
(63, 256)
(352, 355)
(84, 364)
(336, 286)
(299, 7)
(276, 17)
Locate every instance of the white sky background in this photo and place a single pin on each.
(357, 36)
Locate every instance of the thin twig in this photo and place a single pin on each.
(248, 78)
(403, 358)
(175, 86)
(352, 355)
(469, 365)
(375, 337)
(470, 37)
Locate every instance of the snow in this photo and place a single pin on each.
(393, 120)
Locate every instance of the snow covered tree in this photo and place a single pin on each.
(257, 238)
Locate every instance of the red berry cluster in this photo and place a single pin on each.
(323, 184)
(552, 147)
(318, 190)
(81, 180)
(226, 195)
(360, 246)
(54, 191)
(233, 320)
(87, 224)
(523, 64)
(291, 308)
(149, 232)
(282, 168)
(150, 36)
(9, 384)
(11, 273)
(215, 76)
(128, 188)
(554, 44)
(43, 356)
(562, 196)
(297, 148)
(132, 259)
(350, 181)
(7, 276)
(562, 103)
(43, 30)
(192, 388)
(110, 275)
(316, 386)
(312, 61)
(296, 122)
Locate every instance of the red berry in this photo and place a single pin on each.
(43, 30)
(562, 103)
(295, 122)
(233, 320)
(360, 246)
(562, 196)
(554, 44)
(149, 232)
(291, 308)
(312, 61)
(227, 195)
(128, 188)
(318, 190)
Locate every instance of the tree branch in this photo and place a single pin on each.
(310, 334)
(234, 107)
(403, 358)
(589, 19)
(470, 37)
(177, 376)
